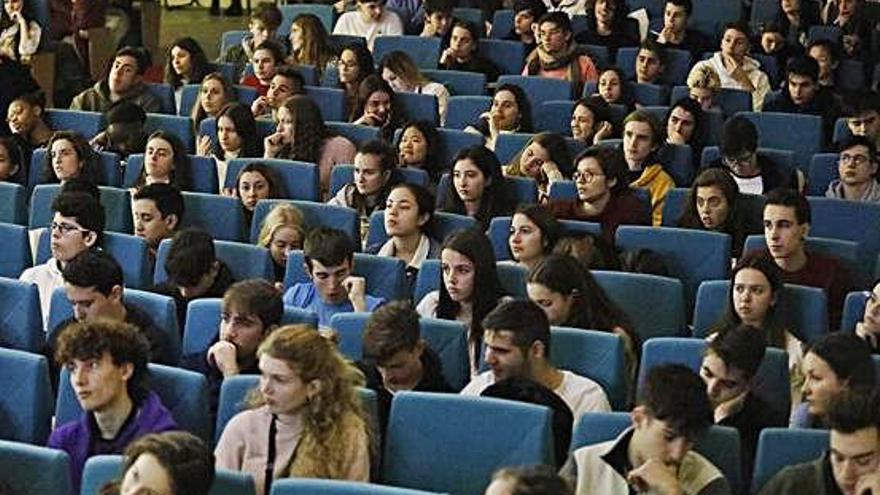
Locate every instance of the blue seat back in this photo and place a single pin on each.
(13, 203)
(650, 94)
(799, 133)
(418, 106)
(316, 214)
(417, 445)
(37, 470)
(710, 16)
(229, 39)
(16, 256)
(423, 50)
(451, 141)
(829, 33)
(202, 172)
(357, 134)
(554, 116)
(350, 328)
(764, 11)
(25, 397)
(499, 232)
(299, 180)
(131, 252)
(331, 101)
(507, 56)
(165, 94)
(463, 111)
(325, 13)
(102, 469)
(385, 275)
(849, 221)
(245, 261)
(540, 89)
(304, 486)
(853, 310)
(21, 321)
(513, 279)
(507, 145)
(823, 170)
(502, 23)
(86, 123)
(183, 392)
(655, 305)
(458, 82)
(175, 124)
(116, 203)
(595, 355)
(781, 447)
(221, 216)
(678, 162)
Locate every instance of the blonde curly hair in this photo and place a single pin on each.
(704, 77)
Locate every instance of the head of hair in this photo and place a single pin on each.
(704, 77)
(316, 48)
(125, 112)
(276, 187)
(308, 127)
(273, 47)
(33, 98)
(293, 75)
(330, 247)
(392, 328)
(657, 49)
(123, 342)
(673, 393)
(433, 155)
(433, 6)
(374, 83)
(84, 153)
(424, 203)
(94, 268)
(692, 107)
(494, 191)
(556, 147)
(687, 4)
(558, 18)
(803, 66)
(741, 348)
(833, 49)
(534, 480)
(180, 175)
(522, 102)
(738, 136)
(853, 141)
(792, 199)
(469, 26)
(848, 356)
(255, 297)
(613, 165)
(860, 103)
(190, 257)
(524, 320)
(742, 27)
(269, 14)
(186, 458)
(404, 67)
(198, 59)
(245, 126)
(198, 112)
(364, 59)
(166, 197)
(854, 409)
(711, 177)
(386, 154)
(646, 118)
(280, 216)
(597, 106)
(141, 56)
(13, 151)
(83, 207)
(543, 218)
(536, 8)
(773, 327)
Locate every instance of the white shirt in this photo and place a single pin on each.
(756, 76)
(570, 7)
(751, 185)
(581, 394)
(48, 278)
(353, 24)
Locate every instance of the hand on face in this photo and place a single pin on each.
(655, 475)
(224, 356)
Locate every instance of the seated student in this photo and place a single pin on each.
(857, 169)
(852, 464)
(185, 63)
(25, 118)
(94, 287)
(396, 358)
(786, 225)
(173, 463)
(686, 124)
(374, 174)
(604, 195)
(528, 480)
(517, 338)
(124, 82)
(310, 44)
(409, 218)
(753, 174)
(868, 329)
(125, 132)
(193, 270)
(795, 17)
(13, 168)
(855, 26)
(753, 299)
(655, 454)
(714, 203)
(510, 112)
(77, 225)
(675, 32)
(107, 361)
(544, 158)
(69, 156)
(557, 56)
(377, 107)
(286, 82)
(462, 53)
(419, 147)
(772, 42)
(477, 187)
(214, 93)
(833, 363)
(526, 14)
(469, 286)
(590, 121)
(862, 113)
(642, 137)
(735, 68)
(329, 262)
(438, 20)
(250, 311)
(533, 234)
(165, 162)
(267, 57)
(802, 94)
(255, 181)
(400, 71)
(20, 32)
(237, 137)
(307, 406)
(354, 65)
(369, 20)
(263, 25)
(703, 86)
(729, 366)
(608, 25)
(300, 116)
(650, 62)
(157, 210)
(283, 230)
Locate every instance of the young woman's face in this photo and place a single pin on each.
(402, 215)
(821, 383)
(413, 148)
(285, 123)
(368, 175)
(712, 207)
(6, 165)
(159, 160)
(146, 475)
(252, 187)
(505, 111)
(212, 96)
(458, 275)
(556, 306)
(181, 61)
(610, 86)
(591, 182)
(532, 159)
(281, 386)
(397, 82)
(65, 160)
(526, 241)
(462, 43)
(227, 135)
(297, 38)
(752, 296)
(284, 240)
(379, 105)
(349, 70)
(468, 180)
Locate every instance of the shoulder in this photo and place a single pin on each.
(427, 307)
(65, 435)
(374, 302)
(478, 383)
(337, 144)
(299, 294)
(805, 476)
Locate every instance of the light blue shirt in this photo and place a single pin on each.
(305, 296)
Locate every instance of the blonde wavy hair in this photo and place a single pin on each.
(283, 215)
(332, 414)
(704, 77)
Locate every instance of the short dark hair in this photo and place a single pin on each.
(848, 356)
(190, 257)
(803, 66)
(274, 47)
(94, 268)
(87, 211)
(860, 102)
(536, 8)
(187, 459)
(741, 348)
(657, 49)
(386, 153)
(739, 135)
(854, 409)
(687, 4)
(675, 394)
(853, 141)
(91, 339)
(833, 48)
(331, 247)
(140, 55)
(33, 98)
(790, 198)
(125, 111)
(255, 297)
(613, 165)
(524, 319)
(561, 19)
(534, 480)
(167, 198)
(294, 75)
(269, 14)
(740, 26)
(392, 328)
(432, 6)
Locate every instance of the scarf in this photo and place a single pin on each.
(541, 59)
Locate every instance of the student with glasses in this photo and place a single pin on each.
(857, 169)
(869, 328)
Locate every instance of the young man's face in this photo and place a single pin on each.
(328, 280)
(462, 43)
(734, 44)
(656, 439)
(802, 89)
(280, 89)
(123, 74)
(784, 235)
(244, 330)
(89, 303)
(648, 67)
(403, 370)
(264, 66)
(371, 10)
(98, 382)
(856, 166)
(675, 18)
(823, 57)
(865, 124)
(723, 383)
(854, 456)
(504, 357)
(440, 21)
(22, 117)
(260, 32)
(638, 142)
(69, 238)
(552, 37)
(150, 224)
(523, 21)
(202, 286)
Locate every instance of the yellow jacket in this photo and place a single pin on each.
(658, 183)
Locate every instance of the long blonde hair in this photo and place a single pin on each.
(332, 414)
(282, 215)
(198, 113)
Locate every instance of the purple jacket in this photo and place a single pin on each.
(75, 437)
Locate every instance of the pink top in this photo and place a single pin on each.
(336, 150)
(587, 69)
